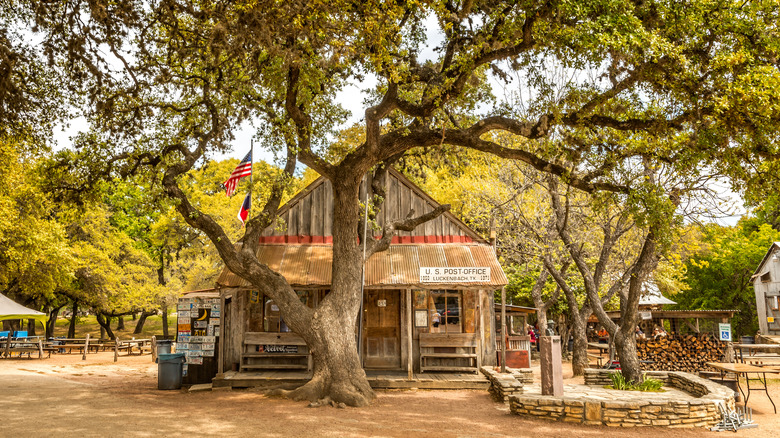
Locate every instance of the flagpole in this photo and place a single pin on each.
(251, 164)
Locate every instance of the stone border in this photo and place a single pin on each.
(702, 412)
(502, 386)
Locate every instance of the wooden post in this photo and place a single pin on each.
(154, 348)
(8, 344)
(40, 349)
(221, 358)
(503, 329)
(116, 348)
(410, 330)
(478, 330)
(86, 347)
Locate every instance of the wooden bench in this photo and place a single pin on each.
(449, 352)
(597, 357)
(274, 351)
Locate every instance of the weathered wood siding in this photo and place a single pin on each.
(307, 218)
(768, 292)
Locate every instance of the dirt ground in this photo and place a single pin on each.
(65, 396)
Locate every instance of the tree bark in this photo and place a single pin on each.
(105, 325)
(120, 323)
(139, 326)
(52, 321)
(73, 316)
(165, 320)
(338, 375)
(30, 327)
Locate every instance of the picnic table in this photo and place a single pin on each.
(741, 369)
(759, 352)
(130, 345)
(26, 345)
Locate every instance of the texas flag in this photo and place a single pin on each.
(245, 207)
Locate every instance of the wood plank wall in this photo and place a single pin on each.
(311, 214)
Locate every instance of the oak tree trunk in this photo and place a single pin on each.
(73, 316)
(579, 359)
(105, 326)
(165, 320)
(120, 323)
(52, 321)
(338, 375)
(139, 326)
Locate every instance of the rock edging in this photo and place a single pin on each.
(701, 412)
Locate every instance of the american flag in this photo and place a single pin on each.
(243, 169)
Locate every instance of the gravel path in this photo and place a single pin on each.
(65, 396)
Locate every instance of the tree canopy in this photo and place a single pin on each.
(601, 94)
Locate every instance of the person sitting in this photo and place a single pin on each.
(639, 333)
(658, 332)
(603, 336)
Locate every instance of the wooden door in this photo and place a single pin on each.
(381, 329)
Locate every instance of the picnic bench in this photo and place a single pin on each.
(27, 345)
(262, 350)
(449, 352)
(759, 354)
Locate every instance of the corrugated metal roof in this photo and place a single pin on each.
(310, 265)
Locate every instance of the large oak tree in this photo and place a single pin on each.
(686, 84)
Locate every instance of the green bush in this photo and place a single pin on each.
(648, 384)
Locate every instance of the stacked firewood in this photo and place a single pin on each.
(688, 353)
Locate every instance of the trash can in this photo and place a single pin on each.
(164, 347)
(169, 370)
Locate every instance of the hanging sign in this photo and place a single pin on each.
(454, 275)
(725, 331)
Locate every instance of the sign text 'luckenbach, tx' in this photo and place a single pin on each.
(454, 275)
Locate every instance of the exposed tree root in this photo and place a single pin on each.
(337, 394)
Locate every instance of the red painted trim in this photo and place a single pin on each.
(396, 240)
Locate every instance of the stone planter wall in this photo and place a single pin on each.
(502, 386)
(700, 412)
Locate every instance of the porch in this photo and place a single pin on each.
(379, 379)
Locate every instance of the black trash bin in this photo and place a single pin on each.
(169, 370)
(164, 347)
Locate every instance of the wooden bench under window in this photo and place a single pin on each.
(274, 351)
(449, 352)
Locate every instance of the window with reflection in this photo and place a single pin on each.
(445, 311)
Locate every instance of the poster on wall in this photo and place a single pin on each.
(421, 318)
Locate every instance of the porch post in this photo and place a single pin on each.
(409, 330)
(503, 329)
(221, 359)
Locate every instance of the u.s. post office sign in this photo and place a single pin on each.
(454, 275)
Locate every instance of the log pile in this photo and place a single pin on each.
(687, 353)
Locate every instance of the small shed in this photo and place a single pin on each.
(428, 301)
(766, 286)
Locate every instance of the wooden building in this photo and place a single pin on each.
(766, 286)
(428, 299)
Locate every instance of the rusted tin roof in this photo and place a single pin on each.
(307, 266)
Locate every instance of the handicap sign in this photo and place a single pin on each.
(725, 331)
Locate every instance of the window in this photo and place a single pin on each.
(273, 321)
(445, 311)
(766, 278)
